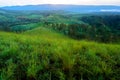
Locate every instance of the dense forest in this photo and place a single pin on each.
(97, 27)
(59, 45)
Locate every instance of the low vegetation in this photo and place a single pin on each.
(43, 54)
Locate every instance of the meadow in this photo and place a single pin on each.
(44, 54)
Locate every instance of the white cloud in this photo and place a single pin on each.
(81, 2)
(110, 10)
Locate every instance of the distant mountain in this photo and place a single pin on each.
(2, 11)
(71, 8)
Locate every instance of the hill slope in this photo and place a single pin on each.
(43, 54)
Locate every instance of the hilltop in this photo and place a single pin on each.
(42, 53)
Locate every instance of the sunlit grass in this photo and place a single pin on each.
(43, 54)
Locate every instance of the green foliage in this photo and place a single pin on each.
(101, 27)
(43, 54)
(21, 28)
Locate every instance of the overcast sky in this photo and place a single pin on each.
(81, 2)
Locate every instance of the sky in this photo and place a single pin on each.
(76, 2)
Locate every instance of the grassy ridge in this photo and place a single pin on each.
(42, 54)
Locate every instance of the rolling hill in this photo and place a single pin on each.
(42, 54)
(57, 42)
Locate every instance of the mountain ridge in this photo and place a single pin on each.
(71, 8)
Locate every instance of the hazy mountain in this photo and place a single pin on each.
(72, 8)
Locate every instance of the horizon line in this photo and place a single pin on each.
(63, 4)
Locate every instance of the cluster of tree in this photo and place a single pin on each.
(106, 25)
(113, 21)
(14, 19)
(96, 30)
(8, 24)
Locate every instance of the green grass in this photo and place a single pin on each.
(43, 54)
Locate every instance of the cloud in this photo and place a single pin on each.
(81, 2)
(110, 10)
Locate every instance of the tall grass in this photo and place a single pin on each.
(42, 54)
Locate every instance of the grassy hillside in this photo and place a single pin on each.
(43, 54)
